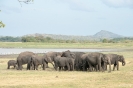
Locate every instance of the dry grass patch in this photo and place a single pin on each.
(75, 79)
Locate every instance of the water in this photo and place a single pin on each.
(6, 51)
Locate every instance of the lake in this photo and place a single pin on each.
(6, 51)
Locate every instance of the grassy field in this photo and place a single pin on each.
(65, 45)
(75, 79)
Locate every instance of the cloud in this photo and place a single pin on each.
(119, 3)
(78, 5)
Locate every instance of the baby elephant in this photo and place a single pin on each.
(11, 63)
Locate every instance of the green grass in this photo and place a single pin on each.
(50, 78)
(65, 45)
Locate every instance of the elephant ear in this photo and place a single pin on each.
(48, 59)
(105, 58)
(58, 54)
(33, 57)
(120, 57)
(45, 57)
(83, 56)
(73, 55)
(62, 54)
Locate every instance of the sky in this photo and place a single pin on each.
(66, 17)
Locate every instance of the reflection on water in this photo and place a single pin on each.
(5, 51)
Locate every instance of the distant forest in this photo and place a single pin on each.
(51, 40)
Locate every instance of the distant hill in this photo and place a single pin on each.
(106, 34)
(100, 35)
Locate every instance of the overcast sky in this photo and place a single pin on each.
(66, 17)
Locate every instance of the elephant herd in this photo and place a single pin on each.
(67, 60)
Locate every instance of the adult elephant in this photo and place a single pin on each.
(11, 63)
(24, 58)
(78, 61)
(96, 60)
(64, 62)
(115, 59)
(40, 60)
(69, 54)
(50, 57)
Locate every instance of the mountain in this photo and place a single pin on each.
(100, 35)
(106, 34)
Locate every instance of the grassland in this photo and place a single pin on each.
(65, 45)
(50, 78)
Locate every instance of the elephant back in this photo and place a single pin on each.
(12, 62)
(66, 54)
(24, 57)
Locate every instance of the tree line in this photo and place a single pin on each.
(51, 40)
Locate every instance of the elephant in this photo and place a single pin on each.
(78, 61)
(66, 62)
(12, 63)
(38, 60)
(115, 59)
(41, 60)
(69, 55)
(94, 59)
(50, 57)
(24, 58)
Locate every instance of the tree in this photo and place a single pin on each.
(25, 1)
(105, 41)
(2, 24)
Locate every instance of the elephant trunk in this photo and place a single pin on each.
(123, 63)
(53, 65)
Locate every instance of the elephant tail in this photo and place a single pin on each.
(18, 65)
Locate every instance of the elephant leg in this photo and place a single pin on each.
(84, 67)
(31, 66)
(109, 65)
(109, 68)
(47, 65)
(36, 67)
(59, 68)
(8, 67)
(68, 66)
(64, 68)
(71, 67)
(102, 67)
(96, 68)
(99, 66)
(28, 66)
(106, 67)
(90, 68)
(56, 66)
(19, 66)
(114, 67)
(44, 66)
(14, 66)
(117, 66)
